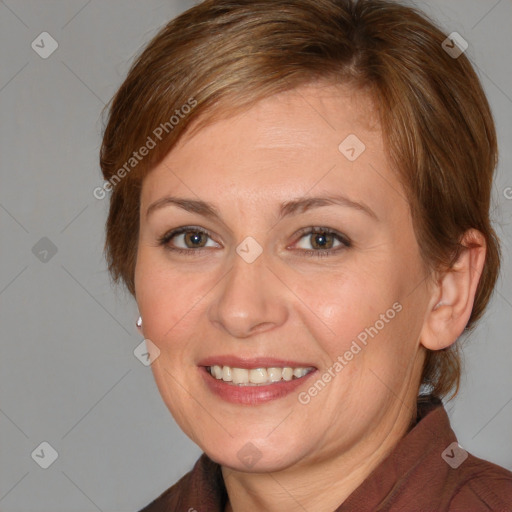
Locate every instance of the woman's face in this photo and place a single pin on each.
(252, 287)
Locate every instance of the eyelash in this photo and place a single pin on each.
(167, 237)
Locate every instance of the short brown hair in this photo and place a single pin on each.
(225, 55)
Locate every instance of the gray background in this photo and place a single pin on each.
(68, 375)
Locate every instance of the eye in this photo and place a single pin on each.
(188, 240)
(322, 240)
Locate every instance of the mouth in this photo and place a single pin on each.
(262, 376)
(253, 381)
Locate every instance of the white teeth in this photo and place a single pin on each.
(257, 376)
(274, 374)
(217, 371)
(226, 374)
(287, 373)
(240, 375)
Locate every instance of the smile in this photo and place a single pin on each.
(256, 376)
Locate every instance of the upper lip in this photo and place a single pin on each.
(253, 362)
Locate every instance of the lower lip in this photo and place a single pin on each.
(252, 395)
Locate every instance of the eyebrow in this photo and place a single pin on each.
(292, 207)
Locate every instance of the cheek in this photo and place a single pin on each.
(363, 324)
(165, 296)
(340, 305)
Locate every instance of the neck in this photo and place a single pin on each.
(321, 485)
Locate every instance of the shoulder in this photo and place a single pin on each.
(462, 481)
(482, 485)
(429, 470)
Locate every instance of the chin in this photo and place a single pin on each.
(252, 457)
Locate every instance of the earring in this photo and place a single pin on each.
(139, 322)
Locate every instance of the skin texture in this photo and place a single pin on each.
(289, 303)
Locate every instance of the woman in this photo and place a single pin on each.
(300, 207)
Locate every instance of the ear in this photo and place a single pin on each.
(453, 296)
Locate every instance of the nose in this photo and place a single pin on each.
(248, 300)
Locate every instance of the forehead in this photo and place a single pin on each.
(286, 145)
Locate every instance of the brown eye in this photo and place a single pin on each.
(186, 240)
(322, 241)
(194, 239)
